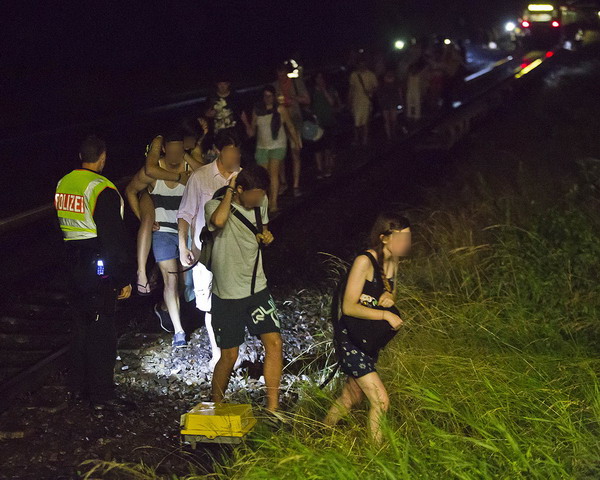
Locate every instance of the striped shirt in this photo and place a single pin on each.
(166, 203)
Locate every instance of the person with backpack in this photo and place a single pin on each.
(369, 319)
(238, 219)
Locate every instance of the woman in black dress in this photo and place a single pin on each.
(369, 320)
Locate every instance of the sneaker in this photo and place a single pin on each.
(297, 192)
(179, 340)
(165, 319)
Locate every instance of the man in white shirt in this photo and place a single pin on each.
(200, 188)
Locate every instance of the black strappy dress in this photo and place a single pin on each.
(358, 341)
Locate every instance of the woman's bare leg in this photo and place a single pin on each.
(375, 391)
(296, 165)
(319, 162)
(144, 240)
(282, 180)
(351, 395)
(273, 167)
(171, 291)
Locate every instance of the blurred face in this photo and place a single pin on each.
(223, 87)
(398, 242)
(230, 158)
(189, 142)
(268, 97)
(251, 198)
(174, 152)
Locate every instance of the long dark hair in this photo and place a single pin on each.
(385, 223)
(261, 109)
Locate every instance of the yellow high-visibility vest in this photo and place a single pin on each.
(75, 202)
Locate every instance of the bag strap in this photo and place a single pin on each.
(362, 84)
(255, 231)
(378, 274)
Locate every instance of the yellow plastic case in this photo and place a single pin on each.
(211, 422)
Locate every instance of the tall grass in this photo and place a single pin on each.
(496, 373)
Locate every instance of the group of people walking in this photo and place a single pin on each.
(206, 221)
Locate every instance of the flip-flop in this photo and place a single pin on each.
(144, 294)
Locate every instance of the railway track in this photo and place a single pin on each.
(35, 309)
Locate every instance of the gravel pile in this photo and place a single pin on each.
(152, 365)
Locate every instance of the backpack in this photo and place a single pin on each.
(335, 316)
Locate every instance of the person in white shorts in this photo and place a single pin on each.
(200, 188)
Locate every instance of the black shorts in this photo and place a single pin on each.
(230, 318)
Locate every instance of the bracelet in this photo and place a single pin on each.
(229, 187)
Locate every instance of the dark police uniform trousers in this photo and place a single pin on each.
(94, 349)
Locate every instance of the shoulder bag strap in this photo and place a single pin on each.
(378, 273)
(255, 231)
(362, 84)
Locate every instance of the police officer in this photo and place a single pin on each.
(90, 214)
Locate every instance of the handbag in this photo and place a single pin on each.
(311, 130)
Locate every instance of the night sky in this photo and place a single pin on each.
(68, 60)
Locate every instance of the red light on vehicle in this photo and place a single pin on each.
(555, 24)
(549, 54)
(525, 24)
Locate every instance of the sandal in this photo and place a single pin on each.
(147, 292)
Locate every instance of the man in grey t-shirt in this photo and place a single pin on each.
(240, 296)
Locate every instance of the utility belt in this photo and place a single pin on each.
(95, 292)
